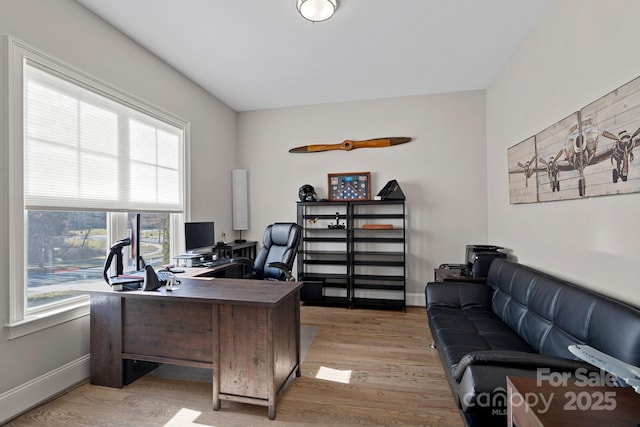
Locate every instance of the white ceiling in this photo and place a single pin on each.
(260, 54)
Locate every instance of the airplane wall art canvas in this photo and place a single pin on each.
(522, 168)
(589, 153)
(617, 116)
(557, 180)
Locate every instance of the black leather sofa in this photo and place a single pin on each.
(521, 320)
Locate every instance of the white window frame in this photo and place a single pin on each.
(24, 321)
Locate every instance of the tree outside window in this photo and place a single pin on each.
(67, 249)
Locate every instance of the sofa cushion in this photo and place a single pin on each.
(459, 332)
(461, 322)
(458, 295)
(550, 314)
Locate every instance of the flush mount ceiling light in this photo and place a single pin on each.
(317, 10)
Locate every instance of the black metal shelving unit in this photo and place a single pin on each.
(360, 264)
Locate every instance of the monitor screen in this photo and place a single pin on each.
(136, 253)
(199, 236)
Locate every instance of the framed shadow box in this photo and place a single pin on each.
(349, 186)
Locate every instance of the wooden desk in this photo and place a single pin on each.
(232, 270)
(531, 405)
(246, 331)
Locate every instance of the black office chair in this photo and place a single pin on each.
(274, 260)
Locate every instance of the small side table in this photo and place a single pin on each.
(530, 404)
(454, 275)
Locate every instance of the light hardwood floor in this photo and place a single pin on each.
(396, 380)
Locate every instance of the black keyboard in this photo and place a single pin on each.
(163, 276)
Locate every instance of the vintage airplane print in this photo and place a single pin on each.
(590, 153)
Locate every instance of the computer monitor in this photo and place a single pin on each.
(199, 237)
(136, 250)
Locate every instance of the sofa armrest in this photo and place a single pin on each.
(458, 295)
(518, 359)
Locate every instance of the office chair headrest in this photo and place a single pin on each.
(280, 233)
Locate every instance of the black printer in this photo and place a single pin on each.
(479, 258)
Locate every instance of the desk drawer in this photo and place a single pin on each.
(172, 329)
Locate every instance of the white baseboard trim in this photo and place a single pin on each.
(416, 300)
(30, 394)
(412, 299)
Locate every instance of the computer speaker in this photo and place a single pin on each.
(240, 199)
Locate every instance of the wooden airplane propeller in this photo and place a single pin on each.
(348, 145)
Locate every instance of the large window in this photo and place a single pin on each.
(66, 250)
(63, 249)
(84, 157)
(155, 238)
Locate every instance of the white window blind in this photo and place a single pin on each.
(88, 150)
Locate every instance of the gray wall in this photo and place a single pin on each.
(578, 52)
(67, 31)
(441, 172)
(454, 173)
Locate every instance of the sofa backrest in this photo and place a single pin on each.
(550, 314)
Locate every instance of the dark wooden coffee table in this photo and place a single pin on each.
(533, 404)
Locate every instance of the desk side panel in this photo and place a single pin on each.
(106, 341)
(286, 339)
(244, 349)
(171, 328)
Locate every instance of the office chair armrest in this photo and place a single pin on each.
(244, 261)
(247, 266)
(284, 268)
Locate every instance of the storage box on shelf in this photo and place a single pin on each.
(352, 253)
